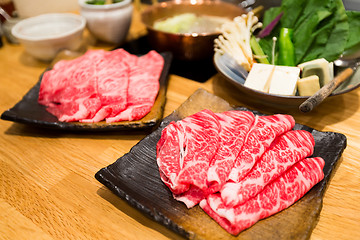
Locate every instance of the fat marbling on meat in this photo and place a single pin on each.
(68, 89)
(263, 132)
(234, 127)
(276, 196)
(143, 87)
(284, 152)
(185, 150)
(112, 85)
(197, 155)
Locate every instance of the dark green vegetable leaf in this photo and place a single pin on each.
(305, 33)
(268, 29)
(354, 29)
(293, 10)
(321, 28)
(267, 42)
(270, 15)
(330, 43)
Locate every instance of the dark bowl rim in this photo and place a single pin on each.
(274, 96)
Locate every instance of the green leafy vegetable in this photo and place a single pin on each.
(293, 11)
(321, 28)
(330, 39)
(270, 15)
(268, 29)
(354, 33)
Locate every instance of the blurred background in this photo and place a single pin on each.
(28, 8)
(20, 9)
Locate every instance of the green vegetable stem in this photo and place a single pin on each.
(286, 47)
(262, 58)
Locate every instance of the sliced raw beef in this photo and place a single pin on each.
(96, 86)
(168, 156)
(284, 152)
(69, 89)
(191, 197)
(263, 132)
(143, 87)
(278, 195)
(234, 127)
(112, 83)
(185, 150)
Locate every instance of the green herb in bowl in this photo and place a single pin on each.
(102, 2)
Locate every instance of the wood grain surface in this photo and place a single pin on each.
(47, 184)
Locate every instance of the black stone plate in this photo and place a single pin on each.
(135, 178)
(29, 111)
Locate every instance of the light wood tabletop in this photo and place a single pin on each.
(47, 184)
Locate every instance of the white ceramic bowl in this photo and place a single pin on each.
(45, 35)
(109, 23)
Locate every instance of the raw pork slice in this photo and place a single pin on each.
(143, 87)
(185, 150)
(284, 152)
(234, 127)
(278, 195)
(263, 132)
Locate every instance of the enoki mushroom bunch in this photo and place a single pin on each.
(235, 39)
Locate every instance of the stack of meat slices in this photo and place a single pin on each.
(238, 167)
(111, 85)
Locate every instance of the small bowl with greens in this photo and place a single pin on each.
(290, 52)
(107, 20)
(102, 2)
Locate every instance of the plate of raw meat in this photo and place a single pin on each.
(97, 91)
(140, 177)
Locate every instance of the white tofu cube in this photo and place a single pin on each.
(259, 77)
(284, 80)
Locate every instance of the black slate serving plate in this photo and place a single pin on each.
(135, 178)
(29, 111)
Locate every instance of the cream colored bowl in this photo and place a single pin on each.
(45, 35)
(110, 22)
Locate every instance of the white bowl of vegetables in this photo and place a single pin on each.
(108, 21)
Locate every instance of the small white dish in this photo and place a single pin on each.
(110, 22)
(45, 35)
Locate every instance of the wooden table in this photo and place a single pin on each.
(47, 184)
